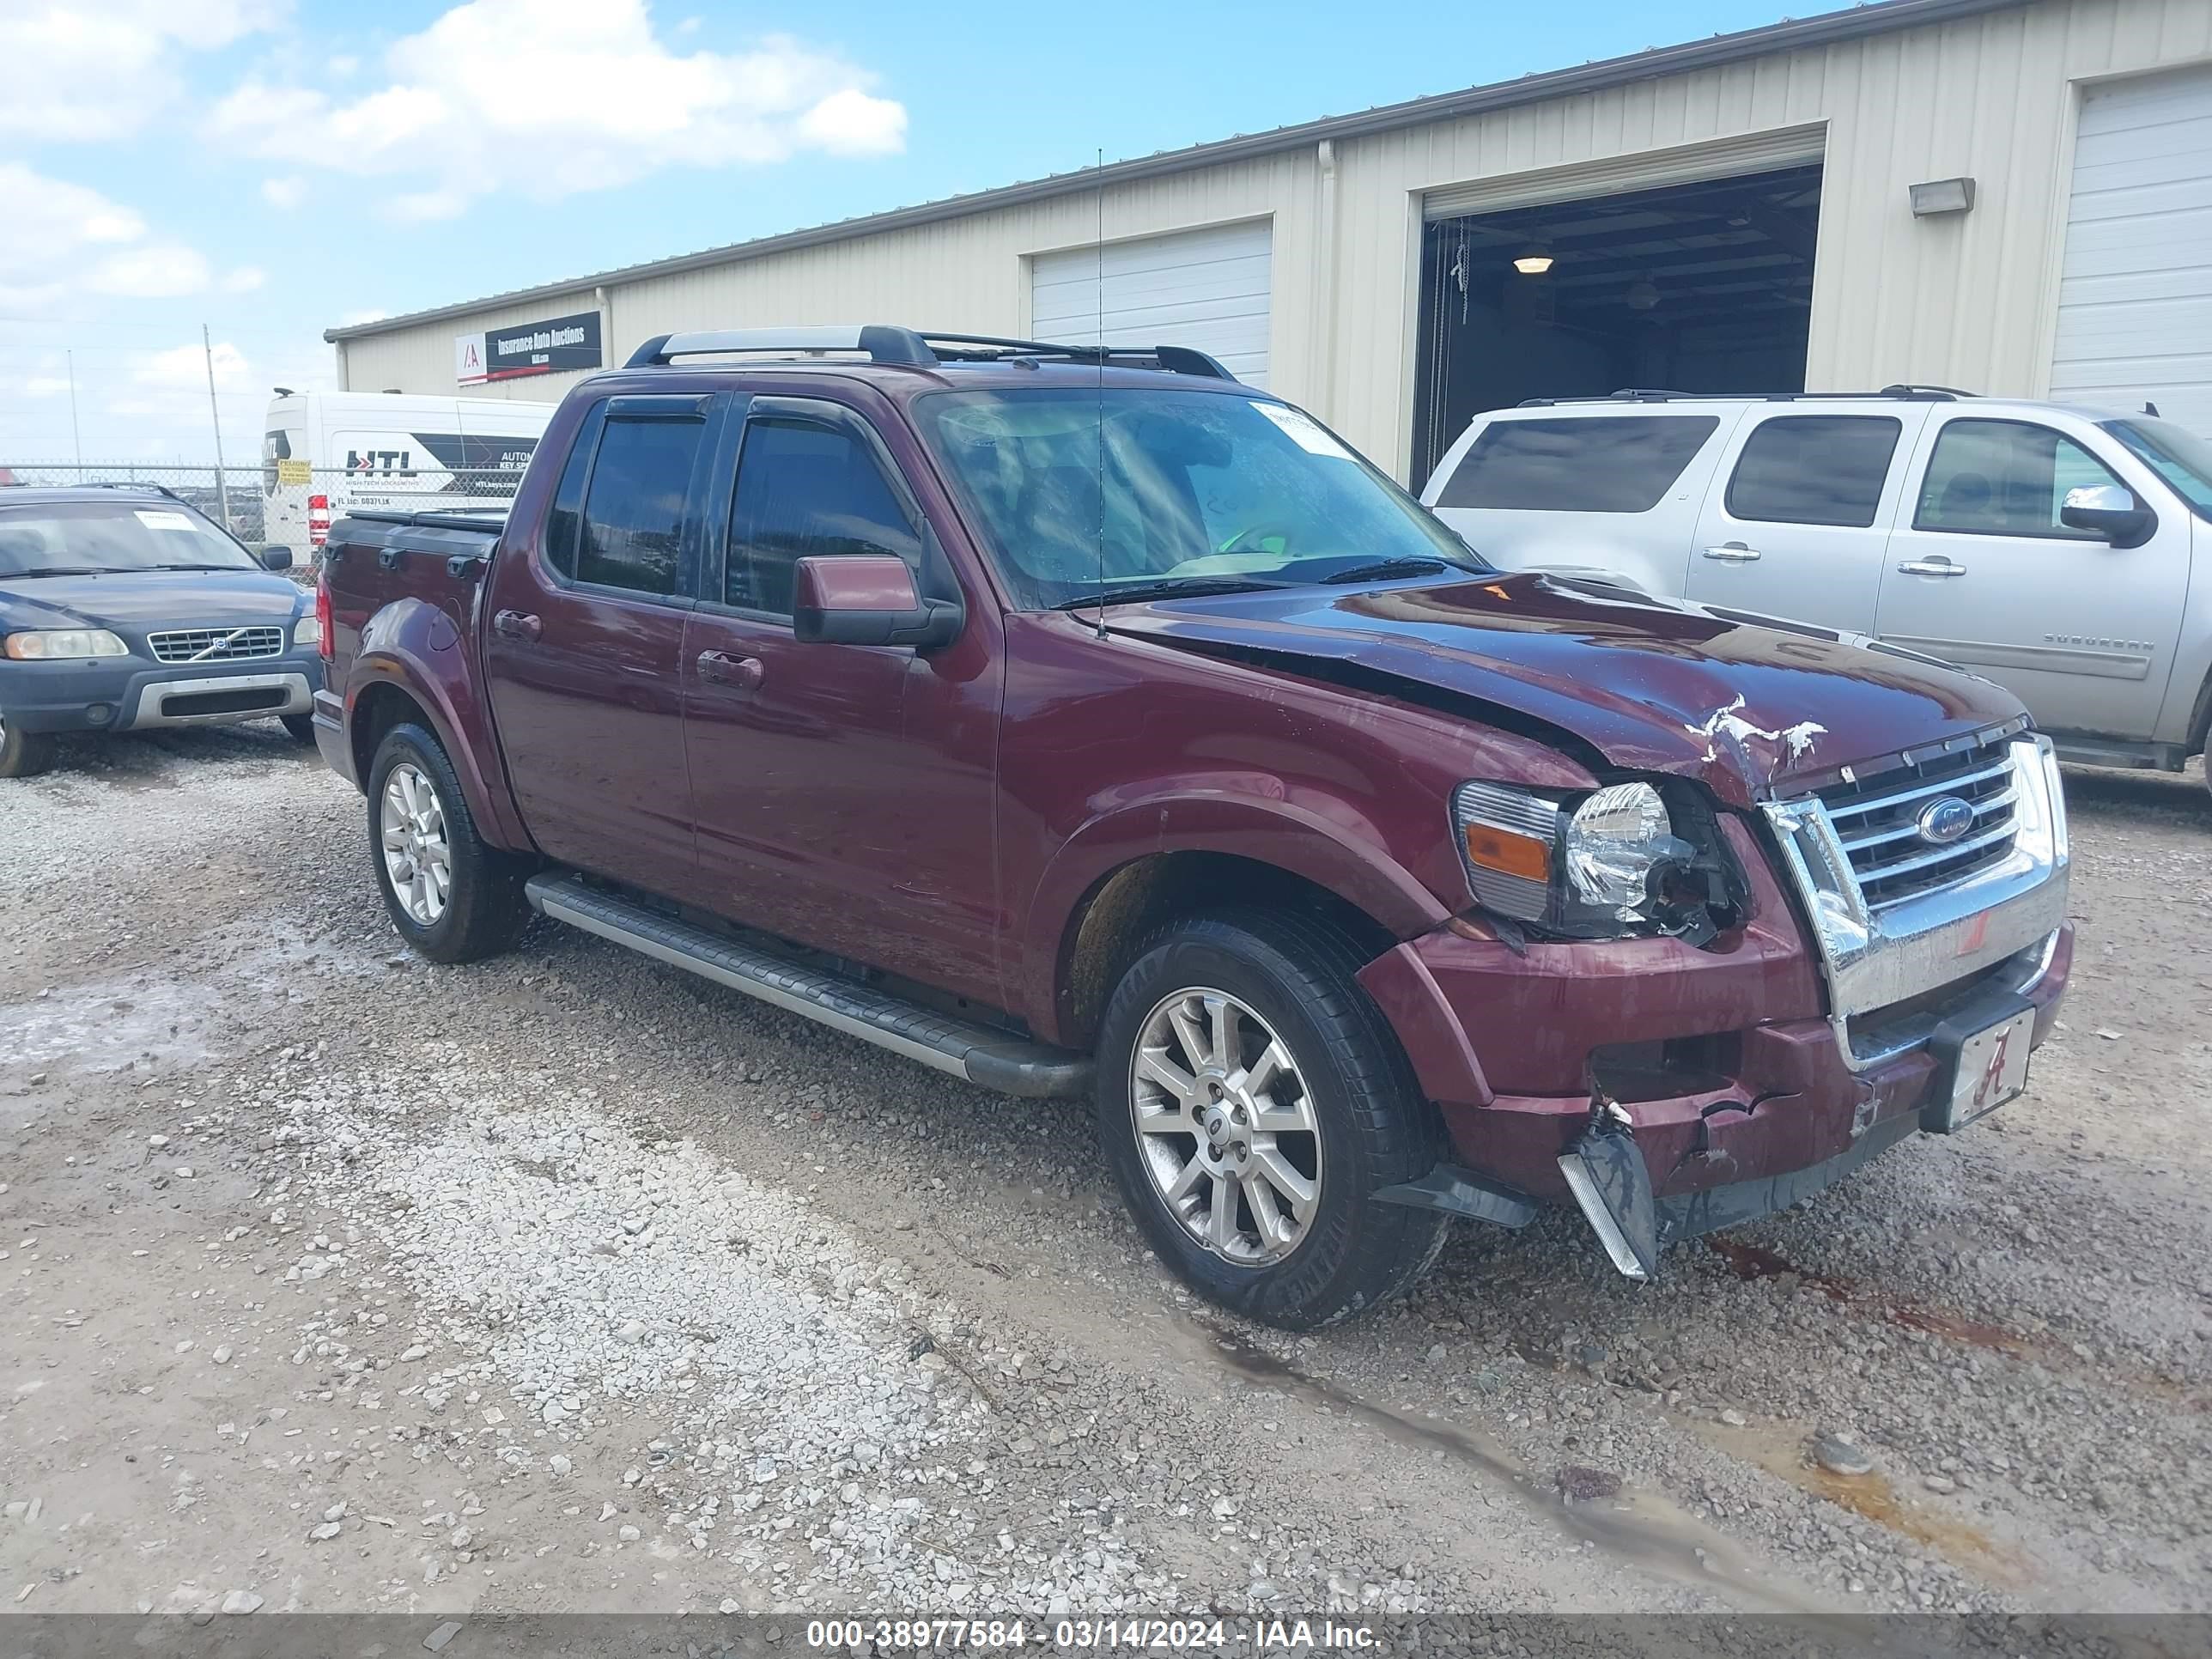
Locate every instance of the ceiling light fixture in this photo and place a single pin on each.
(1533, 261)
(1643, 294)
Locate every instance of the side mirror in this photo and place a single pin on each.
(868, 598)
(2109, 511)
(275, 558)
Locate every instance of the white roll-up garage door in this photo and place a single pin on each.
(1207, 288)
(2135, 297)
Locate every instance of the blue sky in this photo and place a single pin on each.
(271, 167)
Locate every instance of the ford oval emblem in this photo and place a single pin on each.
(1944, 820)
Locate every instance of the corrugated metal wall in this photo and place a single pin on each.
(1966, 300)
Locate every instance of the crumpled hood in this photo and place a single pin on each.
(1747, 705)
(134, 602)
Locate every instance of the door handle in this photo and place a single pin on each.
(1932, 568)
(746, 673)
(1733, 553)
(518, 625)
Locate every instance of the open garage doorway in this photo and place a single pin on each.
(1703, 287)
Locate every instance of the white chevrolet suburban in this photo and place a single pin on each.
(2064, 553)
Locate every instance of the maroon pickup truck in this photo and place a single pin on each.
(1085, 722)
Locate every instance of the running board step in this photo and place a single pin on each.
(988, 1059)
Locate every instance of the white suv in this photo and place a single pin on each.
(2065, 553)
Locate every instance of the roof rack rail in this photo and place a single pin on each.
(1899, 392)
(904, 348)
(131, 483)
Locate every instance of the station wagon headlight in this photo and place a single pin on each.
(1589, 866)
(64, 645)
(308, 630)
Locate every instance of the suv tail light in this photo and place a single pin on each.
(318, 520)
(322, 611)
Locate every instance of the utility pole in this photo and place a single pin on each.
(222, 486)
(76, 438)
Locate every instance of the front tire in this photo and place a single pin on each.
(23, 754)
(452, 898)
(302, 726)
(1252, 1101)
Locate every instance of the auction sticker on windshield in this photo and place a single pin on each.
(158, 519)
(1306, 433)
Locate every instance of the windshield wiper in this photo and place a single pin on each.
(1168, 587)
(199, 566)
(1412, 565)
(65, 570)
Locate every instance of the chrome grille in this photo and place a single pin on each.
(216, 644)
(1876, 819)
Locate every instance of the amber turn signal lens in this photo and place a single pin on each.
(1508, 853)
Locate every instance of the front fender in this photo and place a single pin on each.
(413, 645)
(1283, 834)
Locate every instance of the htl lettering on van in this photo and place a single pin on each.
(325, 454)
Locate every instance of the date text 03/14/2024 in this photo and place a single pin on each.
(1135, 1634)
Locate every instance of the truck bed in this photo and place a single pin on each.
(374, 559)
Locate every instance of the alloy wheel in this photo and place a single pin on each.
(416, 854)
(1226, 1126)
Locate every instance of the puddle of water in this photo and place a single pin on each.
(1640, 1526)
(149, 1018)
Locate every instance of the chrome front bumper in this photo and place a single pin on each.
(1872, 959)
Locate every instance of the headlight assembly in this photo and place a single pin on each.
(1593, 866)
(64, 645)
(308, 630)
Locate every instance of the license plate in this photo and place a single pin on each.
(1992, 1069)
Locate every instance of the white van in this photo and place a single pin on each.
(326, 453)
(2065, 553)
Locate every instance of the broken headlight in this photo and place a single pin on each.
(1621, 859)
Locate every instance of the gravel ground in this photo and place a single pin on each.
(334, 1280)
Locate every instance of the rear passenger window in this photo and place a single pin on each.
(2004, 478)
(633, 527)
(1596, 466)
(565, 523)
(1814, 468)
(805, 490)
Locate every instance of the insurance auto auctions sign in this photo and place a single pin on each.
(552, 347)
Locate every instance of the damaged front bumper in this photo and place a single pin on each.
(1670, 1090)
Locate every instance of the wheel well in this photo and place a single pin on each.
(1117, 914)
(377, 711)
(2200, 722)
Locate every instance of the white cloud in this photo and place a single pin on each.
(160, 270)
(355, 318)
(73, 72)
(245, 279)
(545, 97)
(287, 193)
(186, 366)
(63, 238)
(45, 386)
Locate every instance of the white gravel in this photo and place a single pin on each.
(566, 1282)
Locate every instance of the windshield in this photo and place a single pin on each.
(130, 533)
(2175, 453)
(1189, 488)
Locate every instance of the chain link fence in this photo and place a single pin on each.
(286, 505)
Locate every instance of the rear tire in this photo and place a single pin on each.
(23, 754)
(452, 898)
(1335, 1111)
(302, 726)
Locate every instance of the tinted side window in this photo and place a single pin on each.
(633, 529)
(2004, 478)
(805, 490)
(1599, 465)
(564, 523)
(1814, 468)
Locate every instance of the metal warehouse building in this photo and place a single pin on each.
(2006, 196)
